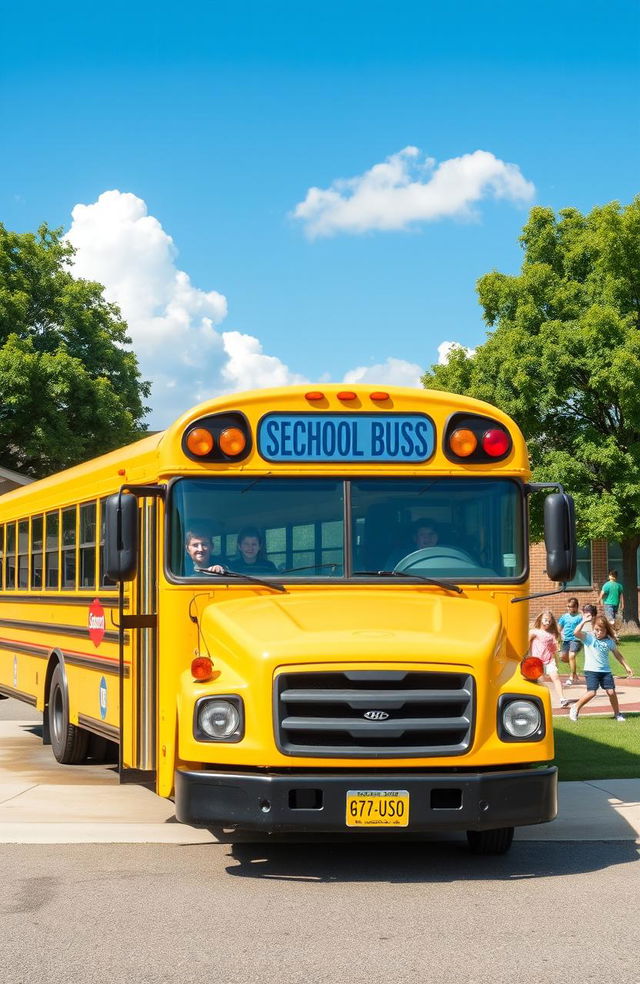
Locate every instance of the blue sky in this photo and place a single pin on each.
(211, 122)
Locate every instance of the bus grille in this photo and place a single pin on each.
(370, 714)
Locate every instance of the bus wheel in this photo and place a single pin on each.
(490, 841)
(68, 742)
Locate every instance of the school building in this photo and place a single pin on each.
(595, 560)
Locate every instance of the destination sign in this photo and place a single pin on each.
(364, 437)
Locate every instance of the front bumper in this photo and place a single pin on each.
(317, 803)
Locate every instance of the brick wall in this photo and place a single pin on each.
(558, 603)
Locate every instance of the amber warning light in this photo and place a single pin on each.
(200, 441)
(531, 668)
(201, 668)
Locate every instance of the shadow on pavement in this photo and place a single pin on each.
(422, 861)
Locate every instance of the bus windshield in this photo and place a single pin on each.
(463, 529)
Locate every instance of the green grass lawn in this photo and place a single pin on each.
(599, 747)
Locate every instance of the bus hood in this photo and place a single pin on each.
(332, 625)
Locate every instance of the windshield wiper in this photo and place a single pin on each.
(245, 577)
(447, 585)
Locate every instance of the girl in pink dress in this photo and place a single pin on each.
(544, 639)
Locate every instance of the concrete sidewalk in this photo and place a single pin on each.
(42, 802)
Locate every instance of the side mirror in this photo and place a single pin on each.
(121, 537)
(560, 536)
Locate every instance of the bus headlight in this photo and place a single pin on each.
(219, 719)
(520, 719)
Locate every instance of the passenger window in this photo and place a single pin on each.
(1, 557)
(69, 548)
(36, 552)
(10, 559)
(51, 556)
(88, 545)
(23, 553)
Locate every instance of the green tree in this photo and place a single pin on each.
(563, 358)
(69, 389)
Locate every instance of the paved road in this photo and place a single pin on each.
(287, 914)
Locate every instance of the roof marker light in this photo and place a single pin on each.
(314, 396)
(379, 396)
(347, 395)
(200, 441)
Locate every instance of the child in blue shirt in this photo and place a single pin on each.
(570, 645)
(598, 644)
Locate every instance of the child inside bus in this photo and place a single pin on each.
(251, 557)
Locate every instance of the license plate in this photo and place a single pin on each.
(377, 808)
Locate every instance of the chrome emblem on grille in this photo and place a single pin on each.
(376, 715)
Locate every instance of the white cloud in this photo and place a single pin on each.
(404, 190)
(393, 372)
(172, 324)
(446, 348)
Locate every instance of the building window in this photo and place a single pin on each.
(614, 560)
(583, 568)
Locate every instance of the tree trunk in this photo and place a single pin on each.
(630, 578)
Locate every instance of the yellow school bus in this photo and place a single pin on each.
(296, 610)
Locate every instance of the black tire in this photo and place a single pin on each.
(490, 841)
(68, 742)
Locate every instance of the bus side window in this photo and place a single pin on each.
(105, 582)
(1, 556)
(10, 559)
(69, 548)
(88, 545)
(23, 553)
(36, 552)
(52, 551)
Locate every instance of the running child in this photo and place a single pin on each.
(570, 645)
(543, 643)
(599, 642)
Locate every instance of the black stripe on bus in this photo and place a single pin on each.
(100, 728)
(24, 647)
(18, 694)
(73, 659)
(57, 599)
(80, 631)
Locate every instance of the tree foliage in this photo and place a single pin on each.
(69, 389)
(563, 358)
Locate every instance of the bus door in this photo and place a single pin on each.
(138, 652)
